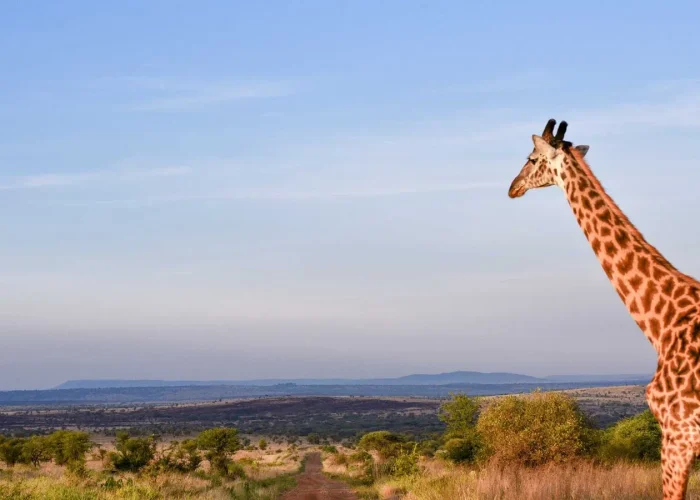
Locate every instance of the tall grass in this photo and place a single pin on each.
(584, 480)
(24, 483)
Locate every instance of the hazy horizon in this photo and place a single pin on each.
(319, 190)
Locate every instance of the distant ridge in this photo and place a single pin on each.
(450, 378)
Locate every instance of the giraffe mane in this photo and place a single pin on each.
(582, 164)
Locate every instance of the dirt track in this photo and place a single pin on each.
(313, 485)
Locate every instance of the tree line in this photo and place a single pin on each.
(530, 431)
(132, 454)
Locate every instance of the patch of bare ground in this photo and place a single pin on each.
(313, 485)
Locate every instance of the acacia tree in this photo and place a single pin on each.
(36, 450)
(218, 443)
(11, 450)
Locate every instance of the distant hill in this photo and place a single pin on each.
(457, 377)
(120, 395)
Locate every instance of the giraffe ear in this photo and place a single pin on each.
(542, 145)
(582, 149)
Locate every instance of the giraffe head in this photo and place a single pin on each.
(546, 162)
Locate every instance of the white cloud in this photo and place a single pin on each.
(164, 95)
(82, 178)
(300, 195)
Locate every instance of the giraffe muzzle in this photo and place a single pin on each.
(517, 189)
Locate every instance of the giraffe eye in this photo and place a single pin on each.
(532, 160)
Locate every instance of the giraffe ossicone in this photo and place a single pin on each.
(664, 302)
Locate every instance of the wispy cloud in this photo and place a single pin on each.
(300, 195)
(80, 178)
(165, 95)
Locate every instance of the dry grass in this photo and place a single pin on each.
(582, 481)
(268, 473)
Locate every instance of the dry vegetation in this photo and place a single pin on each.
(440, 480)
(268, 474)
(422, 464)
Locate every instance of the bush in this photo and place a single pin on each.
(635, 438)
(428, 447)
(218, 444)
(132, 454)
(179, 457)
(534, 430)
(69, 447)
(405, 464)
(234, 470)
(386, 444)
(262, 444)
(462, 450)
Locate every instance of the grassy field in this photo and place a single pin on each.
(269, 474)
(440, 480)
(286, 425)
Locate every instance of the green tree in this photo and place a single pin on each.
(11, 450)
(262, 444)
(218, 443)
(36, 449)
(132, 454)
(535, 429)
(636, 438)
(459, 415)
(69, 447)
(461, 440)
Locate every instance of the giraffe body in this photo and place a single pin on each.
(664, 302)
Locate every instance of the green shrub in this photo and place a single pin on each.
(218, 443)
(386, 444)
(262, 444)
(462, 450)
(534, 430)
(635, 438)
(132, 454)
(405, 464)
(234, 470)
(428, 447)
(179, 457)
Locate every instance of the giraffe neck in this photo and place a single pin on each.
(658, 297)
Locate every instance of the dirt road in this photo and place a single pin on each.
(313, 485)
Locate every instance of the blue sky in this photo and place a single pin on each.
(263, 189)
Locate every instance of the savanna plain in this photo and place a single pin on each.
(599, 443)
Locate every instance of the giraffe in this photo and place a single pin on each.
(664, 302)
